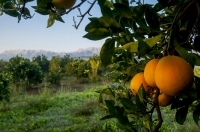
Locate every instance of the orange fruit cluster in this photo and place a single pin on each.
(171, 74)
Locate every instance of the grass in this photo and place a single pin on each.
(68, 109)
(50, 112)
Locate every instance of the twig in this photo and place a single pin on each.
(83, 15)
(160, 120)
(82, 1)
(22, 14)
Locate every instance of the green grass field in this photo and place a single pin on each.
(68, 109)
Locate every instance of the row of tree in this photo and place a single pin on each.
(32, 72)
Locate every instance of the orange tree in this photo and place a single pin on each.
(136, 33)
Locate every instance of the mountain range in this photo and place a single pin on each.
(87, 52)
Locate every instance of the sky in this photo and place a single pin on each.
(32, 34)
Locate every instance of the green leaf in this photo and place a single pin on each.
(108, 117)
(103, 22)
(2, 1)
(97, 34)
(107, 51)
(51, 20)
(105, 11)
(152, 18)
(123, 10)
(43, 3)
(139, 104)
(133, 46)
(141, 94)
(181, 115)
(190, 58)
(196, 114)
(42, 11)
(147, 122)
(121, 117)
(181, 103)
(106, 91)
(143, 48)
(10, 5)
(12, 13)
(27, 12)
(59, 18)
(111, 106)
(128, 104)
(131, 71)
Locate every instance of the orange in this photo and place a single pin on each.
(137, 81)
(173, 75)
(63, 4)
(149, 71)
(163, 99)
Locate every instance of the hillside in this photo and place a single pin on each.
(90, 51)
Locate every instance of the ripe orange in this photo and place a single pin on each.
(163, 99)
(149, 71)
(137, 81)
(173, 75)
(63, 4)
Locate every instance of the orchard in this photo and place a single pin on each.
(153, 48)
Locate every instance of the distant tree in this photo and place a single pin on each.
(54, 74)
(64, 60)
(42, 61)
(22, 70)
(77, 68)
(2, 65)
(4, 87)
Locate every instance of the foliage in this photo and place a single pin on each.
(2, 65)
(77, 68)
(136, 33)
(22, 70)
(54, 74)
(94, 65)
(4, 87)
(43, 62)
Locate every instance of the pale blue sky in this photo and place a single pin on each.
(32, 34)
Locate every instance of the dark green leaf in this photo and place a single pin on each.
(131, 71)
(43, 3)
(123, 10)
(108, 117)
(190, 58)
(181, 115)
(158, 7)
(27, 12)
(107, 51)
(103, 22)
(139, 104)
(9, 5)
(12, 13)
(142, 94)
(196, 114)
(97, 34)
(42, 11)
(92, 18)
(128, 104)
(59, 18)
(121, 117)
(2, 1)
(106, 11)
(177, 103)
(143, 48)
(111, 106)
(152, 18)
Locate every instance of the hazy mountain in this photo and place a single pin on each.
(6, 55)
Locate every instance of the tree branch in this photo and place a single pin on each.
(83, 15)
